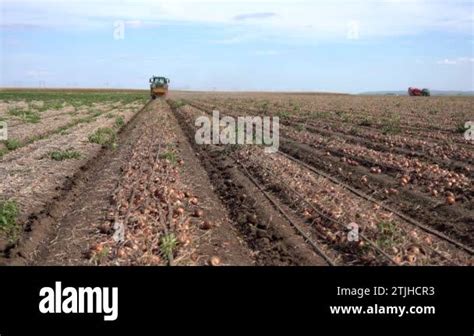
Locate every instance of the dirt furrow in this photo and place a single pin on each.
(38, 183)
(139, 186)
(455, 165)
(270, 235)
(454, 220)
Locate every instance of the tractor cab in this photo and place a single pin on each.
(158, 81)
(158, 86)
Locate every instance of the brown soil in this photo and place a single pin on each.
(454, 220)
(173, 202)
(34, 181)
(272, 240)
(63, 234)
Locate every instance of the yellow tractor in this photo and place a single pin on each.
(158, 86)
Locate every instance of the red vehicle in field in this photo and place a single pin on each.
(415, 92)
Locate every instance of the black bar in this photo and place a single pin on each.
(203, 299)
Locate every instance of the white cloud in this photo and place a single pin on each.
(447, 61)
(323, 19)
(253, 16)
(456, 61)
(234, 39)
(134, 23)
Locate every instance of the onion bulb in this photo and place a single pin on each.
(215, 261)
(206, 225)
(450, 200)
(198, 213)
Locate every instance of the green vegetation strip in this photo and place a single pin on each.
(8, 217)
(64, 155)
(26, 115)
(57, 99)
(104, 136)
(13, 144)
(119, 122)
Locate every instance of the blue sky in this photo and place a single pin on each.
(331, 45)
